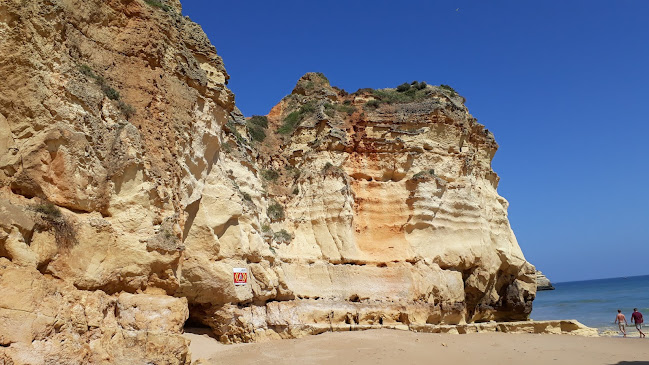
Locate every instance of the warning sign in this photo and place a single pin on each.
(240, 276)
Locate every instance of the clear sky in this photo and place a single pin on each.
(564, 86)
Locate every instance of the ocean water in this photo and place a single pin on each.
(595, 302)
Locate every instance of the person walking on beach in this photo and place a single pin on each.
(636, 318)
(618, 319)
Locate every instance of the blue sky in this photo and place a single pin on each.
(564, 86)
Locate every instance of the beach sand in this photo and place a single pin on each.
(375, 347)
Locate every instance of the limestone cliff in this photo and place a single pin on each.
(131, 186)
(110, 117)
(383, 210)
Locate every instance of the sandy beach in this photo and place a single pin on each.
(391, 347)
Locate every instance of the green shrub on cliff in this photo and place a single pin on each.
(322, 76)
(48, 210)
(282, 236)
(231, 128)
(418, 85)
(403, 87)
(292, 121)
(307, 108)
(110, 92)
(392, 96)
(158, 4)
(86, 70)
(246, 196)
(330, 110)
(126, 109)
(373, 104)
(51, 218)
(257, 134)
(269, 174)
(415, 85)
(404, 93)
(256, 127)
(275, 211)
(448, 88)
(423, 174)
(344, 108)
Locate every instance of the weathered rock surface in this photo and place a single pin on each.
(131, 186)
(354, 214)
(391, 214)
(542, 282)
(110, 117)
(47, 321)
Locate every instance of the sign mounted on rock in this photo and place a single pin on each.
(240, 276)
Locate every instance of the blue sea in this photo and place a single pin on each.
(595, 302)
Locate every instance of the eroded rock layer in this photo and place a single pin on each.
(131, 186)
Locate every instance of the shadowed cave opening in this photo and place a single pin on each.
(196, 327)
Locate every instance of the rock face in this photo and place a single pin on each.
(110, 117)
(131, 186)
(382, 210)
(542, 282)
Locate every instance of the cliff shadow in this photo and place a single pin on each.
(632, 363)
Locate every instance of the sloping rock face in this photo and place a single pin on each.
(131, 186)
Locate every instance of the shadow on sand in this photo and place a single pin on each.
(632, 363)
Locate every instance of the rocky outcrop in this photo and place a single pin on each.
(558, 327)
(382, 210)
(542, 282)
(131, 187)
